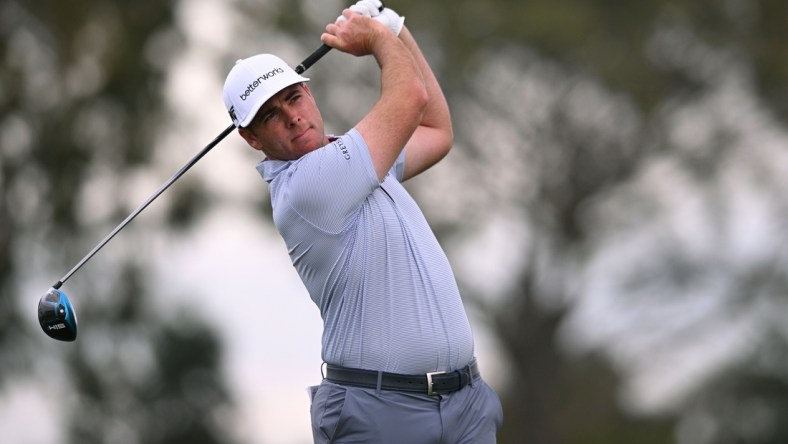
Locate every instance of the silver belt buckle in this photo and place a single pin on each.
(429, 382)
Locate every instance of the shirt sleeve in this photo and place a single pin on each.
(398, 170)
(328, 186)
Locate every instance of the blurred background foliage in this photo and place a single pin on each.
(614, 207)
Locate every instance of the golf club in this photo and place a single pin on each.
(55, 311)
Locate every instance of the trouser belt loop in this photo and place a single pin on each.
(467, 371)
(380, 381)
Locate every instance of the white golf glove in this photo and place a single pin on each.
(391, 19)
(370, 8)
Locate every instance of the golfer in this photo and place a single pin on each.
(397, 343)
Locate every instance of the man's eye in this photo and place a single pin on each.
(269, 116)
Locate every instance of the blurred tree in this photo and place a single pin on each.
(560, 398)
(81, 87)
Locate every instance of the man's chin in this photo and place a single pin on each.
(308, 142)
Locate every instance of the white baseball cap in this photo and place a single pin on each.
(254, 80)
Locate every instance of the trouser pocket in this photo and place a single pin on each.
(327, 402)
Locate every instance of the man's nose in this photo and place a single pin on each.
(292, 115)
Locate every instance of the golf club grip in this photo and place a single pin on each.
(314, 57)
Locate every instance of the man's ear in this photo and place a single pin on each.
(251, 139)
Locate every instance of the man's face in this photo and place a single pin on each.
(287, 126)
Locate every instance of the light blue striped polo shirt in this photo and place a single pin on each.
(370, 261)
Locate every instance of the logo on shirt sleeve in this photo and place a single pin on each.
(344, 149)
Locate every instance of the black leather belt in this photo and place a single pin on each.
(433, 383)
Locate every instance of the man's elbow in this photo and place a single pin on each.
(419, 97)
(440, 122)
(446, 139)
(442, 137)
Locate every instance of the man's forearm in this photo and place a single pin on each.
(434, 137)
(437, 113)
(398, 112)
(397, 68)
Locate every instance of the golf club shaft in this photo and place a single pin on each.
(144, 205)
(314, 57)
(303, 66)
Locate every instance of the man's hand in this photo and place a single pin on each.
(356, 34)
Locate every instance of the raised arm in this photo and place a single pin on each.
(397, 114)
(434, 137)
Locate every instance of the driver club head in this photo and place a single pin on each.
(57, 316)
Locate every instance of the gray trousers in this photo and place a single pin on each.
(342, 414)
